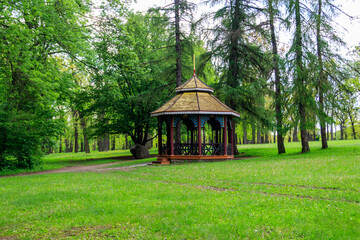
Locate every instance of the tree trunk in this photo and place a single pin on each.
(148, 143)
(341, 131)
(100, 145)
(245, 132)
(345, 133)
(81, 146)
(278, 105)
(113, 143)
(76, 137)
(67, 146)
(86, 140)
(178, 61)
(352, 125)
(331, 132)
(295, 134)
(266, 138)
(60, 146)
(106, 142)
(321, 77)
(233, 71)
(126, 142)
(253, 134)
(300, 79)
(275, 137)
(327, 132)
(289, 139)
(258, 136)
(177, 43)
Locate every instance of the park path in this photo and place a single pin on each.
(105, 167)
(90, 168)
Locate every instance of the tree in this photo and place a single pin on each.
(321, 75)
(129, 84)
(302, 96)
(242, 68)
(177, 43)
(35, 34)
(278, 85)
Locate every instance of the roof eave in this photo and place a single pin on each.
(194, 90)
(155, 114)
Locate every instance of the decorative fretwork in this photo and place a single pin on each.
(220, 119)
(185, 149)
(194, 119)
(177, 119)
(212, 149)
(229, 149)
(204, 119)
(165, 149)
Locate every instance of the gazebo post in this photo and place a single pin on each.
(225, 135)
(172, 135)
(199, 135)
(159, 136)
(232, 136)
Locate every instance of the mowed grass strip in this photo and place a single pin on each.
(311, 196)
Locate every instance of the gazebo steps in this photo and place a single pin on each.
(161, 160)
(191, 158)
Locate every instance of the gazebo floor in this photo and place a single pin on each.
(167, 159)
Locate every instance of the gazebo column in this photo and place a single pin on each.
(199, 135)
(232, 136)
(159, 136)
(172, 135)
(225, 136)
(192, 142)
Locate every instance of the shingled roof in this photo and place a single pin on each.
(194, 84)
(194, 97)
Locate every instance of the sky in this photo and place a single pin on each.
(348, 29)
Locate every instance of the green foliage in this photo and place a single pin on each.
(129, 83)
(32, 84)
(243, 67)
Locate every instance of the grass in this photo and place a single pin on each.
(292, 196)
(60, 160)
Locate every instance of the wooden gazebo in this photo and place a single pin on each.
(194, 126)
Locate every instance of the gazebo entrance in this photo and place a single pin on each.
(194, 126)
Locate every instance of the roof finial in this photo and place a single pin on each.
(194, 63)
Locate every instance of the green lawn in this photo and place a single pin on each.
(60, 160)
(312, 196)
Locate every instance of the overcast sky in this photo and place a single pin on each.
(351, 7)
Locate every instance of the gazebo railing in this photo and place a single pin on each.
(212, 149)
(209, 149)
(229, 148)
(186, 149)
(165, 149)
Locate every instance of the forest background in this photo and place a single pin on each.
(84, 76)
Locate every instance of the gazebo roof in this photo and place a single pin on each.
(194, 97)
(194, 84)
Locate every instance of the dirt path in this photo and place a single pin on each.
(90, 168)
(95, 168)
